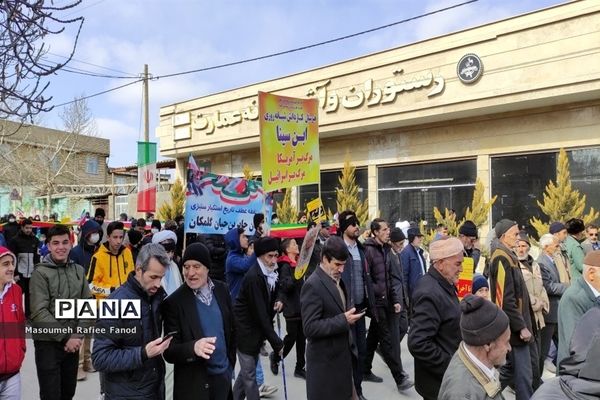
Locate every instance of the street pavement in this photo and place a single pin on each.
(296, 390)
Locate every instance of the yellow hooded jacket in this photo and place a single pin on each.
(108, 271)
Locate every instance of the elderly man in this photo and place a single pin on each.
(576, 231)
(561, 259)
(200, 314)
(486, 340)
(578, 298)
(434, 332)
(327, 321)
(591, 239)
(555, 288)
(132, 364)
(510, 293)
(579, 375)
(254, 310)
(468, 235)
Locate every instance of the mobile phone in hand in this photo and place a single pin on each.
(364, 310)
(168, 335)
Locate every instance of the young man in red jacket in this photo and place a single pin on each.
(12, 328)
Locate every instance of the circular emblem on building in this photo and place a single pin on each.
(469, 69)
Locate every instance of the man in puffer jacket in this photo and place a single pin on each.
(12, 338)
(25, 246)
(129, 354)
(111, 264)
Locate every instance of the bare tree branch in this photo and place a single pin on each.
(24, 25)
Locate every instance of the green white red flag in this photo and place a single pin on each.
(146, 201)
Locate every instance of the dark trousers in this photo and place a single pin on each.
(56, 370)
(534, 353)
(549, 333)
(382, 332)
(220, 386)
(518, 372)
(359, 334)
(24, 284)
(295, 335)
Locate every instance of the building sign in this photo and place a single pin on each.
(331, 97)
(289, 141)
(469, 69)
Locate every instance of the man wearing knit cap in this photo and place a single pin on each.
(203, 347)
(583, 294)
(561, 258)
(509, 292)
(254, 310)
(434, 332)
(468, 235)
(575, 252)
(485, 335)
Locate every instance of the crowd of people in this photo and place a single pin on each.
(215, 304)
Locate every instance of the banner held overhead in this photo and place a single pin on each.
(289, 141)
(146, 200)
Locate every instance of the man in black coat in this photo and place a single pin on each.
(25, 246)
(327, 321)
(254, 311)
(203, 347)
(434, 333)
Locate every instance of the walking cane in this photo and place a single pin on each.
(282, 363)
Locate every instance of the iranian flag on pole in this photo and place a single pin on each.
(146, 200)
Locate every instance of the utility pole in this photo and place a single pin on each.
(146, 107)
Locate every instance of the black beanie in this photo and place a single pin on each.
(346, 219)
(264, 245)
(397, 235)
(468, 228)
(197, 252)
(134, 236)
(481, 321)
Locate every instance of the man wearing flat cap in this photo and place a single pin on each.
(254, 311)
(485, 335)
(434, 332)
(575, 252)
(468, 235)
(582, 295)
(509, 292)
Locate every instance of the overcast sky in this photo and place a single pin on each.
(178, 35)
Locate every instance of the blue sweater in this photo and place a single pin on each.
(211, 323)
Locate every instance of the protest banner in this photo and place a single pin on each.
(289, 141)
(218, 203)
(316, 212)
(465, 279)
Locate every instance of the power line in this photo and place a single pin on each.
(94, 65)
(310, 46)
(99, 93)
(248, 60)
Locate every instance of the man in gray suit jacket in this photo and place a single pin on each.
(577, 299)
(554, 288)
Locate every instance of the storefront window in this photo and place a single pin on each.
(410, 192)
(585, 175)
(329, 181)
(519, 182)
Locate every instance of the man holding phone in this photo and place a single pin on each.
(327, 321)
(129, 352)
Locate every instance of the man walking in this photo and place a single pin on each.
(434, 330)
(387, 305)
(254, 310)
(132, 364)
(576, 235)
(57, 354)
(25, 246)
(327, 322)
(511, 295)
